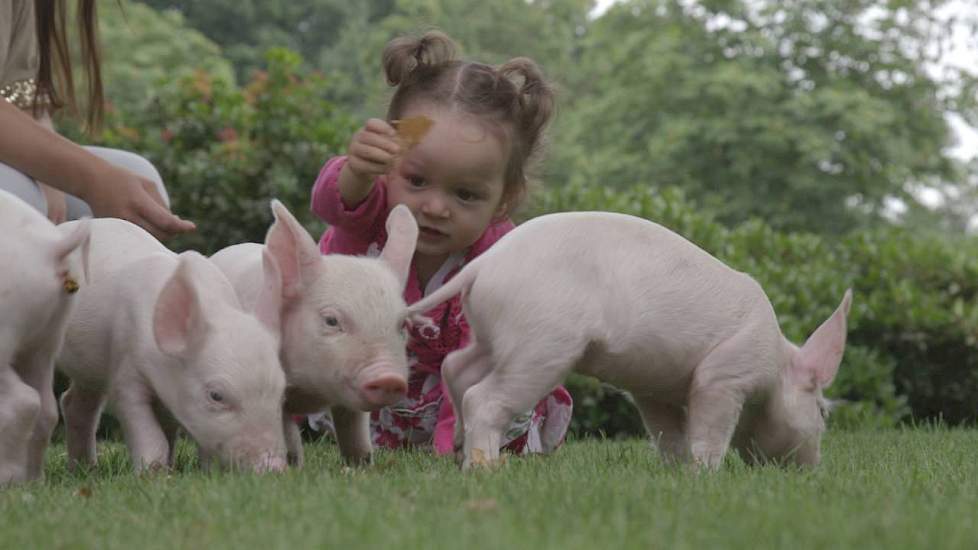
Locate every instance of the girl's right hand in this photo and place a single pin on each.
(372, 150)
(123, 194)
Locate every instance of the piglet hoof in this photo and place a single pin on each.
(153, 469)
(80, 466)
(359, 460)
(295, 460)
(706, 465)
(480, 461)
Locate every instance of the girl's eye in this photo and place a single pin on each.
(416, 181)
(466, 196)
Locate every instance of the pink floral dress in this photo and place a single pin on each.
(424, 416)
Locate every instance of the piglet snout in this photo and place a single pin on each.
(383, 390)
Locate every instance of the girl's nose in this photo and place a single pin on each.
(435, 205)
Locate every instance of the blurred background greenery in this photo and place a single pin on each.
(792, 139)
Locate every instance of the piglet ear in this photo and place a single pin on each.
(178, 318)
(293, 249)
(78, 239)
(402, 237)
(818, 360)
(268, 308)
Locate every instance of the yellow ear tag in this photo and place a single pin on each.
(413, 129)
(71, 285)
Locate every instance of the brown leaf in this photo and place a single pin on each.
(84, 491)
(413, 129)
(481, 505)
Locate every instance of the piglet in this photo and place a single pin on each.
(39, 279)
(163, 341)
(631, 303)
(343, 339)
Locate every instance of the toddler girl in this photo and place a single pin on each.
(482, 126)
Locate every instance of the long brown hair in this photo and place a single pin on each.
(55, 80)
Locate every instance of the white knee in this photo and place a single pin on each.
(482, 411)
(23, 187)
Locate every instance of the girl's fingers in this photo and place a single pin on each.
(366, 167)
(380, 127)
(379, 141)
(370, 154)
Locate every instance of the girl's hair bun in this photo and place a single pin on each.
(409, 55)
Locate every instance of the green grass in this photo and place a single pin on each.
(914, 488)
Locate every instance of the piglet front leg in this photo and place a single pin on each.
(509, 389)
(666, 426)
(461, 370)
(39, 374)
(19, 407)
(293, 440)
(81, 408)
(147, 443)
(716, 400)
(352, 435)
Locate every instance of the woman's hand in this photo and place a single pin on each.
(36, 150)
(119, 193)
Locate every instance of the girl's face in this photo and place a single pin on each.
(452, 181)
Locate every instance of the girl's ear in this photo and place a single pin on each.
(510, 198)
(502, 211)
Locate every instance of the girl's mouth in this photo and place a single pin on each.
(431, 233)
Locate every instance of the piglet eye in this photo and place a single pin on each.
(331, 319)
(216, 396)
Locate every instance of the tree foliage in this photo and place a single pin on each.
(145, 49)
(245, 29)
(804, 113)
(812, 114)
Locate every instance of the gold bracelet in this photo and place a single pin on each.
(21, 93)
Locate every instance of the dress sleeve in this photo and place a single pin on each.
(18, 42)
(364, 219)
(6, 32)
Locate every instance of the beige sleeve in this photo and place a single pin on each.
(18, 41)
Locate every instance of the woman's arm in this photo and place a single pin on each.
(109, 190)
